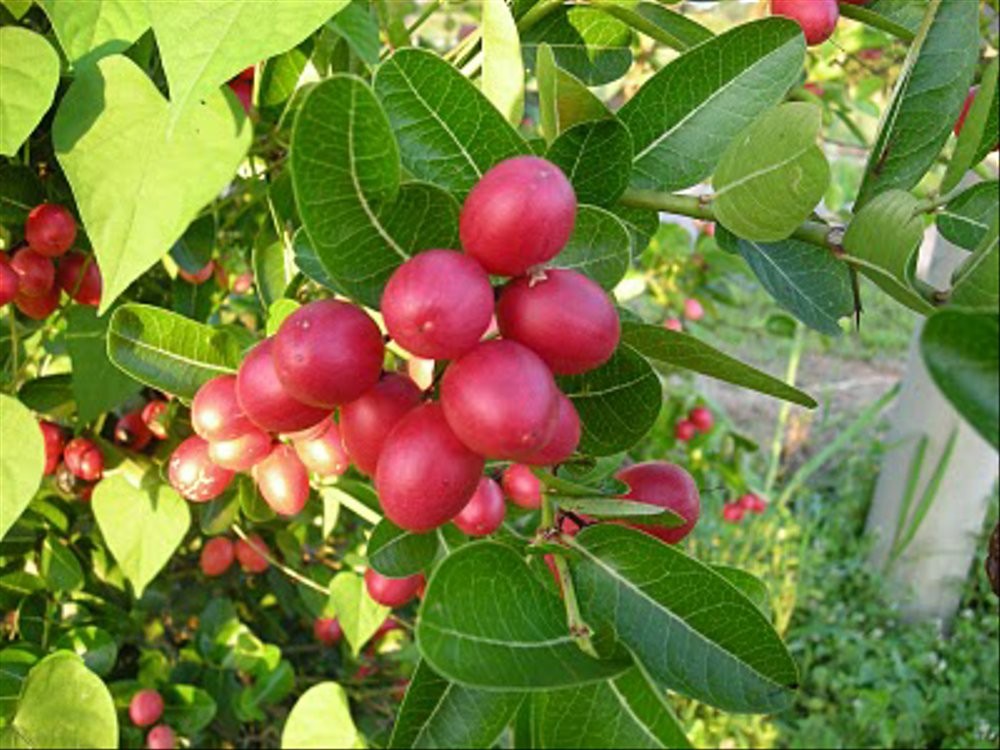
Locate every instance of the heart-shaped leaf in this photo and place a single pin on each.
(22, 460)
(29, 74)
(616, 509)
(597, 159)
(397, 553)
(967, 217)
(359, 615)
(320, 718)
(90, 31)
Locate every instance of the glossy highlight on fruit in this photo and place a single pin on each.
(393, 592)
(145, 708)
(366, 422)
(38, 308)
(818, 18)
(484, 512)
(324, 454)
(78, 275)
(50, 229)
(193, 473)
(84, 459)
(154, 414)
(52, 435)
(565, 438)
(131, 432)
(215, 410)
(217, 556)
(265, 400)
(669, 486)
(36, 273)
(283, 480)
(243, 452)
(522, 487)
(250, 554)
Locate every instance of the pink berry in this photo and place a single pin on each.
(10, 281)
(393, 592)
(161, 737)
(522, 487)
(145, 708)
(36, 273)
(267, 402)
(685, 431)
(324, 454)
(693, 310)
(366, 422)
(50, 229)
(564, 440)
(818, 18)
(669, 486)
(241, 453)
(215, 410)
(732, 513)
(217, 556)
(327, 630)
(250, 554)
(52, 435)
(701, 418)
(283, 480)
(78, 275)
(484, 512)
(193, 473)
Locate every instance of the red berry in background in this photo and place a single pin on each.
(250, 554)
(36, 273)
(732, 513)
(522, 487)
(38, 308)
(52, 435)
(327, 630)
(392, 592)
(484, 512)
(215, 410)
(752, 503)
(425, 474)
(200, 276)
(131, 432)
(565, 438)
(814, 88)
(193, 474)
(501, 400)
(438, 304)
(86, 492)
(145, 708)
(217, 556)
(518, 216)
(10, 281)
(388, 625)
(563, 317)
(669, 486)
(328, 353)
(154, 414)
(78, 275)
(283, 480)
(84, 459)
(366, 422)
(685, 431)
(50, 229)
(702, 419)
(244, 92)
(324, 454)
(243, 283)
(161, 737)
(818, 18)
(241, 453)
(266, 401)
(693, 310)
(673, 324)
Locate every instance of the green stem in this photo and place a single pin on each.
(777, 443)
(424, 15)
(15, 344)
(548, 520)
(537, 13)
(578, 629)
(871, 18)
(622, 12)
(293, 574)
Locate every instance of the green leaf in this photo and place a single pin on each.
(966, 218)
(626, 712)
(548, 92)
(591, 45)
(17, 8)
(681, 350)
(92, 644)
(563, 100)
(976, 130)
(62, 704)
(684, 117)
(15, 663)
(89, 31)
(217, 516)
(927, 100)
(49, 394)
(487, 621)
(138, 187)
(98, 386)
(345, 168)
(962, 354)
(20, 191)
(187, 709)
(397, 553)
(613, 509)
(617, 403)
(641, 223)
(503, 69)
(168, 351)
(358, 26)
(142, 528)
(194, 249)
(449, 133)
(752, 587)
(22, 460)
(267, 689)
(308, 261)
(29, 74)
(600, 247)
(441, 714)
(665, 26)
(331, 510)
(903, 16)
(273, 268)
(320, 718)
(773, 174)
(359, 615)
(597, 159)
(280, 77)
(60, 568)
(976, 283)
(691, 629)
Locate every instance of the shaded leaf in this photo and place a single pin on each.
(397, 553)
(966, 218)
(597, 159)
(90, 31)
(591, 45)
(98, 386)
(599, 247)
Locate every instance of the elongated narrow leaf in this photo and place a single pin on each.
(685, 116)
(29, 74)
(563, 100)
(600, 247)
(98, 385)
(397, 553)
(441, 714)
(752, 587)
(615, 509)
(89, 31)
(976, 130)
(321, 717)
(503, 69)
(684, 351)
(22, 460)
(967, 217)
(488, 622)
(662, 24)
(591, 45)
(977, 281)
(690, 628)
(597, 159)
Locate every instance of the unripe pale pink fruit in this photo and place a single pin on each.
(217, 556)
(36, 273)
(84, 459)
(501, 400)
(563, 317)
(131, 432)
(250, 554)
(438, 304)
(161, 737)
(283, 480)
(818, 18)
(241, 453)
(367, 421)
(78, 275)
(564, 440)
(215, 411)
(669, 486)
(266, 401)
(518, 216)
(193, 473)
(425, 474)
(145, 708)
(673, 324)
(685, 430)
(484, 512)
(522, 487)
(327, 630)
(328, 353)
(50, 229)
(393, 592)
(38, 308)
(324, 454)
(693, 310)
(52, 435)
(9, 280)
(701, 418)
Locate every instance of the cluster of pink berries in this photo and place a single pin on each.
(146, 709)
(693, 311)
(78, 460)
(219, 553)
(698, 420)
(749, 503)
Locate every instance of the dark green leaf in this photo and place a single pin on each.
(187, 709)
(308, 262)
(358, 26)
(92, 644)
(15, 663)
(194, 249)
(563, 100)
(615, 509)
(397, 553)
(752, 587)
(591, 45)
(48, 394)
(976, 283)
(979, 130)
(967, 217)
(600, 247)
(20, 191)
(597, 159)
(60, 568)
(665, 26)
(98, 386)
(280, 76)
(641, 223)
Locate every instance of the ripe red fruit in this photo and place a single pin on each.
(673, 324)
(36, 273)
(216, 556)
(685, 430)
(154, 415)
(522, 487)
(265, 400)
(388, 625)
(425, 474)
(666, 485)
(10, 281)
(484, 512)
(241, 453)
(324, 454)
(327, 630)
(367, 421)
(38, 308)
(701, 418)
(84, 459)
(200, 276)
(131, 432)
(145, 708)
(193, 474)
(518, 216)
(564, 318)
(438, 304)
(52, 435)
(818, 18)
(392, 592)
(50, 229)
(814, 88)
(215, 411)
(693, 310)
(250, 554)
(328, 353)
(732, 513)
(244, 92)
(501, 400)
(161, 737)
(78, 275)
(565, 438)
(752, 503)
(283, 480)
(246, 74)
